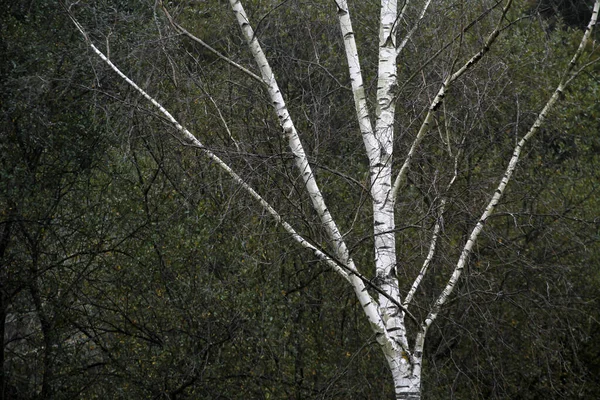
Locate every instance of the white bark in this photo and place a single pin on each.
(407, 380)
(356, 80)
(381, 175)
(289, 130)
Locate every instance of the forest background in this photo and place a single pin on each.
(131, 267)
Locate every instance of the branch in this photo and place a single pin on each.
(414, 28)
(439, 98)
(185, 32)
(191, 140)
(285, 120)
(506, 178)
(358, 90)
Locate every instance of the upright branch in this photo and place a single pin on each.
(289, 130)
(356, 79)
(439, 98)
(410, 33)
(380, 167)
(467, 249)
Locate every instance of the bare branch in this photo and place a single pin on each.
(196, 39)
(356, 79)
(190, 140)
(287, 124)
(410, 33)
(507, 176)
(439, 98)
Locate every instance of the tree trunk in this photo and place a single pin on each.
(407, 382)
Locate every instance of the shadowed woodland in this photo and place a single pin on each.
(132, 267)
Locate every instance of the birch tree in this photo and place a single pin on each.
(388, 294)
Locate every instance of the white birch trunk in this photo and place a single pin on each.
(379, 148)
(407, 381)
(381, 177)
